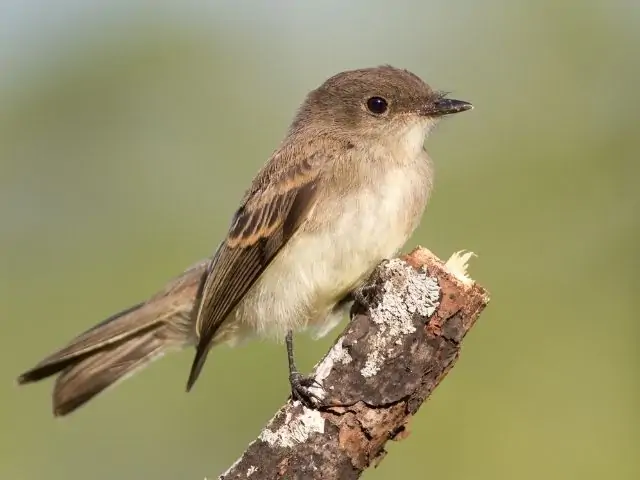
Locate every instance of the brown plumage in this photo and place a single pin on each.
(337, 153)
(343, 191)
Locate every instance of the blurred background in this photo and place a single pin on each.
(129, 131)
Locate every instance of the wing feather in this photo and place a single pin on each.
(270, 214)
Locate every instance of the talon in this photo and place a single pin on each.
(301, 390)
(301, 385)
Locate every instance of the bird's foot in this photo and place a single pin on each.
(305, 389)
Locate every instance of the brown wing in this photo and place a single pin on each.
(272, 212)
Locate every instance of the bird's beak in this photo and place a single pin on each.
(445, 106)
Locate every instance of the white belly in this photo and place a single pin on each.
(315, 270)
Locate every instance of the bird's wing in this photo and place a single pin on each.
(272, 211)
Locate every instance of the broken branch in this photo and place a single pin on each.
(404, 336)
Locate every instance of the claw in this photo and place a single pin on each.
(301, 385)
(301, 390)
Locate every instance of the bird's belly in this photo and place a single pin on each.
(319, 267)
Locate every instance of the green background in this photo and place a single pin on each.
(128, 132)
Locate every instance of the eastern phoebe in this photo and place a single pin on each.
(344, 191)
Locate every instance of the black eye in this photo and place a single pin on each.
(377, 105)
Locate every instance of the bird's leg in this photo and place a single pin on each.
(300, 384)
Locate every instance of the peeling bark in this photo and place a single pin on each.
(404, 336)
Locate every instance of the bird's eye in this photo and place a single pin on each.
(377, 105)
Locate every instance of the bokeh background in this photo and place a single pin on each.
(129, 130)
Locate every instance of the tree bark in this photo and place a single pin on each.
(405, 335)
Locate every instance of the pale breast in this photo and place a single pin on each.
(318, 268)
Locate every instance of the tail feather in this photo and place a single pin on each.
(120, 345)
(112, 330)
(80, 382)
(105, 355)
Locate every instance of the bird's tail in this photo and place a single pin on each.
(119, 346)
(100, 357)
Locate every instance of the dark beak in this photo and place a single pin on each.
(445, 106)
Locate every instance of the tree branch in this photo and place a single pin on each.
(404, 337)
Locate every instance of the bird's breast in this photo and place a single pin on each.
(346, 238)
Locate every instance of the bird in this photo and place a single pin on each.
(343, 191)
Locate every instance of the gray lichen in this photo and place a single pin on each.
(407, 292)
(251, 470)
(337, 355)
(295, 429)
